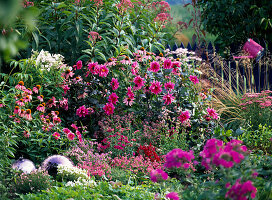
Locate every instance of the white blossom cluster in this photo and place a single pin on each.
(47, 60)
(81, 182)
(71, 173)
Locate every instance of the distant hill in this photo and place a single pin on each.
(174, 2)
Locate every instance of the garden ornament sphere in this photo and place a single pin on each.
(25, 165)
(51, 163)
(253, 49)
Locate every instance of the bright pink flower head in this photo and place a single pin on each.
(56, 135)
(169, 85)
(114, 84)
(139, 82)
(212, 113)
(223, 158)
(79, 64)
(66, 131)
(168, 99)
(184, 116)
(82, 111)
(167, 64)
(172, 196)
(179, 158)
(194, 79)
(71, 136)
(113, 98)
(154, 66)
(158, 175)
(156, 87)
(241, 191)
(130, 94)
(92, 66)
(103, 71)
(109, 108)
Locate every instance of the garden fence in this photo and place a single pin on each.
(242, 76)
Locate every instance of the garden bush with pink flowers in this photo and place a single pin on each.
(135, 119)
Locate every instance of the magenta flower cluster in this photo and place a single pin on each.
(158, 175)
(179, 158)
(217, 154)
(241, 191)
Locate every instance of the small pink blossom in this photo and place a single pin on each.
(184, 116)
(113, 98)
(167, 64)
(109, 108)
(212, 113)
(172, 196)
(79, 64)
(82, 111)
(114, 84)
(158, 175)
(71, 136)
(154, 66)
(156, 87)
(56, 135)
(139, 82)
(241, 191)
(128, 101)
(179, 158)
(103, 71)
(194, 79)
(169, 85)
(168, 98)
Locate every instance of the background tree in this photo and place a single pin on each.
(234, 21)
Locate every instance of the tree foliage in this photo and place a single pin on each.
(236, 20)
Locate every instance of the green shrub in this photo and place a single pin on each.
(34, 182)
(236, 21)
(258, 140)
(102, 191)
